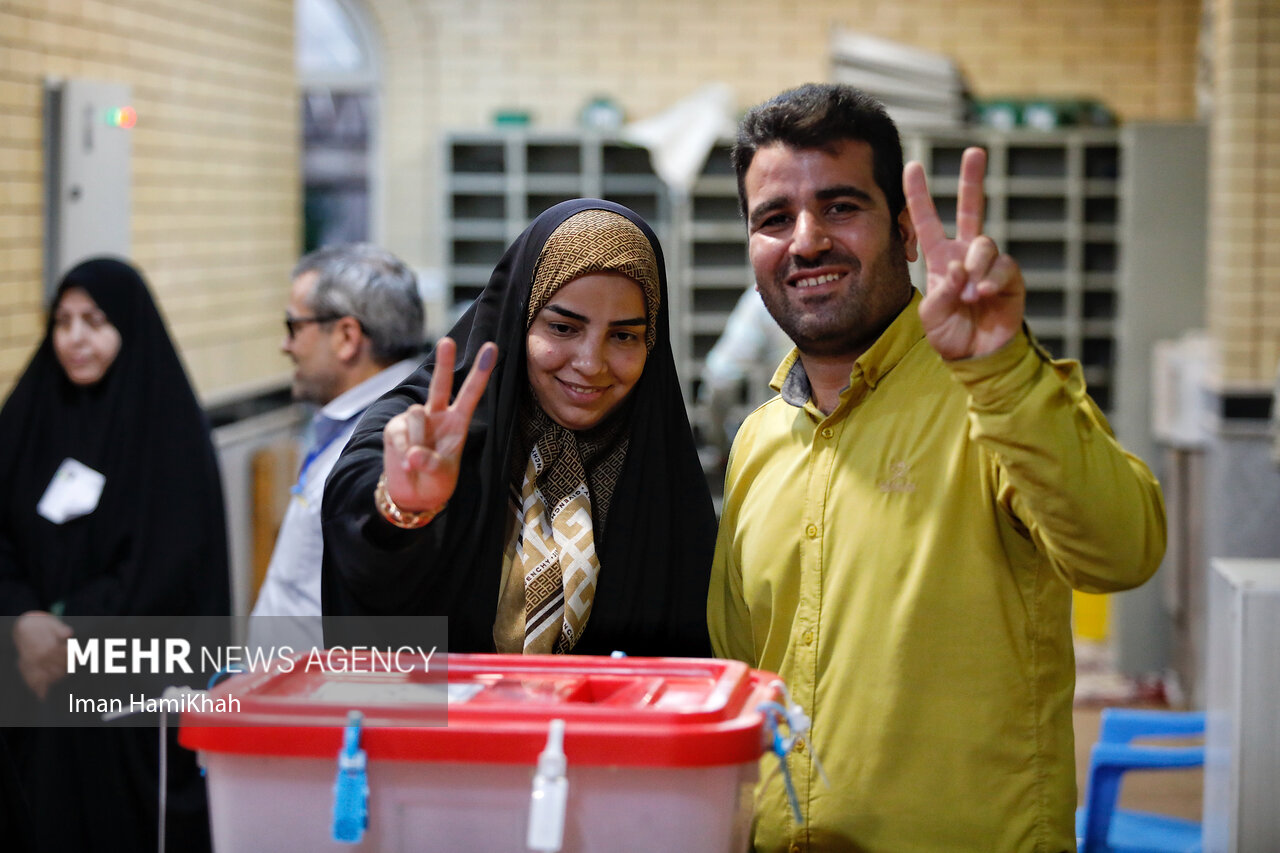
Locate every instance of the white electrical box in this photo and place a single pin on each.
(1242, 736)
(88, 127)
(1180, 401)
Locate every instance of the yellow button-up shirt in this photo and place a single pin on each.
(905, 564)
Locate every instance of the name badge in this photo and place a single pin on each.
(73, 492)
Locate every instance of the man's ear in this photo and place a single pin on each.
(907, 233)
(349, 339)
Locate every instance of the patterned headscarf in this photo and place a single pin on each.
(568, 479)
(597, 241)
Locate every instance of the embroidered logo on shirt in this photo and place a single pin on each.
(898, 480)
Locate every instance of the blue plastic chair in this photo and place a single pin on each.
(1100, 826)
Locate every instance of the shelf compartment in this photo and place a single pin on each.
(716, 208)
(720, 300)
(1102, 162)
(1101, 210)
(478, 157)
(647, 206)
(1045, 303)
(471, 206)
(1036, 208)
(626, 160)
(553, 158)
(718, 253)
(1100, 257)
(1039, 255)
(1099, 304)
(477, 252)
(1037, 161)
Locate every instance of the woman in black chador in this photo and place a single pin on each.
(104, 402)
(558, 504)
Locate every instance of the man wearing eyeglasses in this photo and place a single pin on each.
(354, 330)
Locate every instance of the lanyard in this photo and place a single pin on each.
(306, 463)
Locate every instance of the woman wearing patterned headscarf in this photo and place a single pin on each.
(557, 505)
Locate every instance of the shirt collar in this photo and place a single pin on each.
(792, 383)
(352, 402)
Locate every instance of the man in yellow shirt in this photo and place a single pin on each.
(904, 522)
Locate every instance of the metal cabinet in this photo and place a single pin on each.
(1242, 736)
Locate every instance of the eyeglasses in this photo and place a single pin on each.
(291, 324)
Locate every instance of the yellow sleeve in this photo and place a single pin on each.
(1095, 510)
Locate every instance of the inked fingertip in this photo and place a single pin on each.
(487, 355)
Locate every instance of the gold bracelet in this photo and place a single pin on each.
(397, 516)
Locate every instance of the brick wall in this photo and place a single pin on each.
(1244, 249)
(216, 198)
(551, 55)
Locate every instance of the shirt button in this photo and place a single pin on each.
(807, 636)
(800, 745)
(827, 432)
(795, 848)
(811, 531)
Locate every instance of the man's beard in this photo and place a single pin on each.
(317, 390)
(847, 322)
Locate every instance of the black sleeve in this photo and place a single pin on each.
(451, 567)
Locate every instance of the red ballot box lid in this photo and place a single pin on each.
(486, 708)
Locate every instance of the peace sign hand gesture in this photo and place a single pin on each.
(422, 446)
(976, 296)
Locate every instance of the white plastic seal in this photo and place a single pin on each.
(550, 797)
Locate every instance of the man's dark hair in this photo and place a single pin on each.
(820, 115)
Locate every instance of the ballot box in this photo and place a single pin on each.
(655, 754)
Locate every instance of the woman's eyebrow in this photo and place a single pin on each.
(565, 312)
(574, 315)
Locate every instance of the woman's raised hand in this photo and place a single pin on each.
(422, 446)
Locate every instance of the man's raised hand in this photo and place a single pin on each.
(975, 296)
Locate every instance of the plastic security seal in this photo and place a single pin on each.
(550, 797)
(797, 724)
(351, 788)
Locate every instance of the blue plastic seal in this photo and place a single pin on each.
(351, 788)
(797, 722)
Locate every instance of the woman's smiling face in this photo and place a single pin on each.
(586, 348)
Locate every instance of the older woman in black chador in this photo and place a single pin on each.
(557, 505)
(105, 397)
